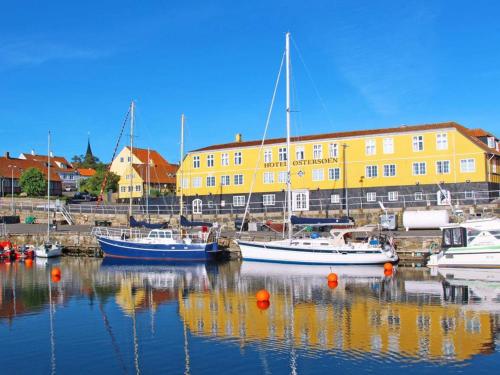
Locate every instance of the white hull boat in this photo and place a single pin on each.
(473, 243)
(48, 250)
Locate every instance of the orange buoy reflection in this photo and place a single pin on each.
(263, 305)
(56, 271)
(332, 284)
(55, 278)
(388, 266)
(28, 263)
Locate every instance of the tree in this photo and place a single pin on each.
(85, 161)
(33, 182)
(93, 184)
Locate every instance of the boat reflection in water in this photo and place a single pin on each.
(366, 312)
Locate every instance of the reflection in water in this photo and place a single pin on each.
(408, 317)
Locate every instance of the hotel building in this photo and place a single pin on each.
(429, 164)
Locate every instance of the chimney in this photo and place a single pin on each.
(7, 154)
(238, 138)
(32, 152)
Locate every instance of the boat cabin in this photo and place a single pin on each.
(160, 233)
(454, 237)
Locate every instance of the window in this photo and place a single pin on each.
(196, 181)
(282, 154)
(237, 158)
(225, 180)
(333, 150)
(268, 156)
(393, 196)
(371, 197)
(129, 188)
(300, 200)
(197, 206)
(268, 199)
(370, 147)
(334, 174)
(317, 151)
(238, 200)
(389, 170)
(442, 141)
(138, 188)
(388, 146)
(123, 189)
(185, 183)
(335, 198)
(268, 177)
(210, 181)
(419, 196)
(469, 195)
(128, 159)
(371, 171)
(491, 142)
(419, 168)
(282, 177)
(317, 175)
(418, 143)
(238, 179)
(196, 161)
(299, 153)
(224, 159)
(443, 167)
(122, 159)
(210, 160)
(467, 165)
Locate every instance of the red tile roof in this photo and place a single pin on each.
(20, 165)
(356, 133)
(480, 133)
(86, 172)
(158, 174)
(142, 155)
(53, 160)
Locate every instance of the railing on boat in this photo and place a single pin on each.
(134, 234)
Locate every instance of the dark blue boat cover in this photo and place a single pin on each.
(344, 220)
(186, 223)
(136, 224)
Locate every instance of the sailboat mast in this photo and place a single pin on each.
(131, 166)
(181, 200)
(288, 151)
(48, 187)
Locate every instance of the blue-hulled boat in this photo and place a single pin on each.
(158, 244)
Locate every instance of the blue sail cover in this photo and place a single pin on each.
(186, 223)
(321, 221)
(137, 224)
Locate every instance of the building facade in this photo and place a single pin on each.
(416, 165)
(59, 164)
(147, 170)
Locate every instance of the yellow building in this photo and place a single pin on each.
(148, 167)
(398, 166)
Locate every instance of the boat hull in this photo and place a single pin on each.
(163, 252)
(269, 253)
(473, 256)
(52, 252)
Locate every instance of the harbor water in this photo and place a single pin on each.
(122, 317)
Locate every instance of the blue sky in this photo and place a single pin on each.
(73, 67)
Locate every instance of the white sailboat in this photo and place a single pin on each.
(339, 248)
(48, 249)
(473, 243)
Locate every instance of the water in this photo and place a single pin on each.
(127, 318)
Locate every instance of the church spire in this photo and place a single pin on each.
(89, 157)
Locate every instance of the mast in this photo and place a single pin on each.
(181, 201)
(131, 166)
(288, 169)
(148, 184)
(48, 187)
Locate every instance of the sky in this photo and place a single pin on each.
(73, 68)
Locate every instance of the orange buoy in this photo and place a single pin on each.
(332, 284)
(55, 278)
(388, 266)
(332, 277)
(28, 263)
(263, 305)
(262, 295)
(56, 271)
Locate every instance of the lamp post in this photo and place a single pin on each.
(12, 187)
(346, 196)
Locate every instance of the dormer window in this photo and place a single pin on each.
(491, 142)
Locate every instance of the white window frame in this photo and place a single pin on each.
(300, 153)
(224, 159)
(197, 206)
(225, 180)
(335, 198)
(268, 155)
(196, 182)
(371, 196)
(369, 169)
(185, 183)
(334, 174)
(282, 176)
(238, 200)
(468, 165)
(442, 141)
(210, 181)
(418, 143)
(317, 151)
(388, 168)
(300, 200)
(393, 196)
(318, 174)
(123, 189)
(236, 179)
(419, 196)
(491, 142)
(196, 161)
(388, 145)
(210, 160)
(370, 147)
(268, 177)
(333, 150)
(238, 158)
(268, 199)
(440, 167)
(418, 170)
(282, 154)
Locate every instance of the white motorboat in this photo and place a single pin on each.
(473, 243)
(340, 247)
